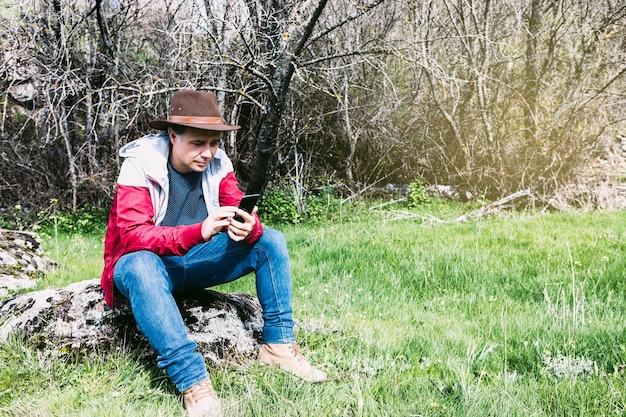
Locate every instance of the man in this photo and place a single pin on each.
(171, 228)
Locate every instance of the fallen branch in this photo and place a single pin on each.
(494, 207)
(489, 209)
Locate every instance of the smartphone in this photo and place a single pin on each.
(247, 204)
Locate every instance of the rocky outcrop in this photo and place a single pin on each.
(75, 320)
(21, 261)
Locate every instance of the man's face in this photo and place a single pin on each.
(194, 150)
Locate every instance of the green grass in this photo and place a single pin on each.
(407, 318)
(76, 258)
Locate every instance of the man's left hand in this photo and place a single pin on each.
(238, 231)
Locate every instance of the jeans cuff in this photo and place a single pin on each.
(278, 335)
(183, 386)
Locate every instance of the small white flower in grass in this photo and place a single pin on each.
(563, 366)
(510, 377)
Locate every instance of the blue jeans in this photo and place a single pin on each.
(148, 281)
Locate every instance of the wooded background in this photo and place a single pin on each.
(490, 97)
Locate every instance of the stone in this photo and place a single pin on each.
(21, 261)
(75, 320)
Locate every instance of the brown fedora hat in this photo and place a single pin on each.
(194, 109)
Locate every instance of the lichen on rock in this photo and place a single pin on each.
(21, 261)
(74, 319)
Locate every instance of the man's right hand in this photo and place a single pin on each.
(217, 221)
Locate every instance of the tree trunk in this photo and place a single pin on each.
(532, 70)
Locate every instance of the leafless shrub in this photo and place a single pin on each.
(489, 97)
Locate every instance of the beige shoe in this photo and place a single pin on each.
(201, 400)
(288, 358)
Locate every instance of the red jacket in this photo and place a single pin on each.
(141, 199)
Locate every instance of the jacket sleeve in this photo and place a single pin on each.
(231, 195)
(138, 231)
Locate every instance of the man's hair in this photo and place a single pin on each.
(178, 130)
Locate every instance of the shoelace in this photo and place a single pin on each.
(296, 352)
(199, 391)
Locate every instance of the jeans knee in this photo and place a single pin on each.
(273, 241)
(137, 269)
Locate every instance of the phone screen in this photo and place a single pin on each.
(247, 204)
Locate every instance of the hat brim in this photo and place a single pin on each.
(216, 127)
